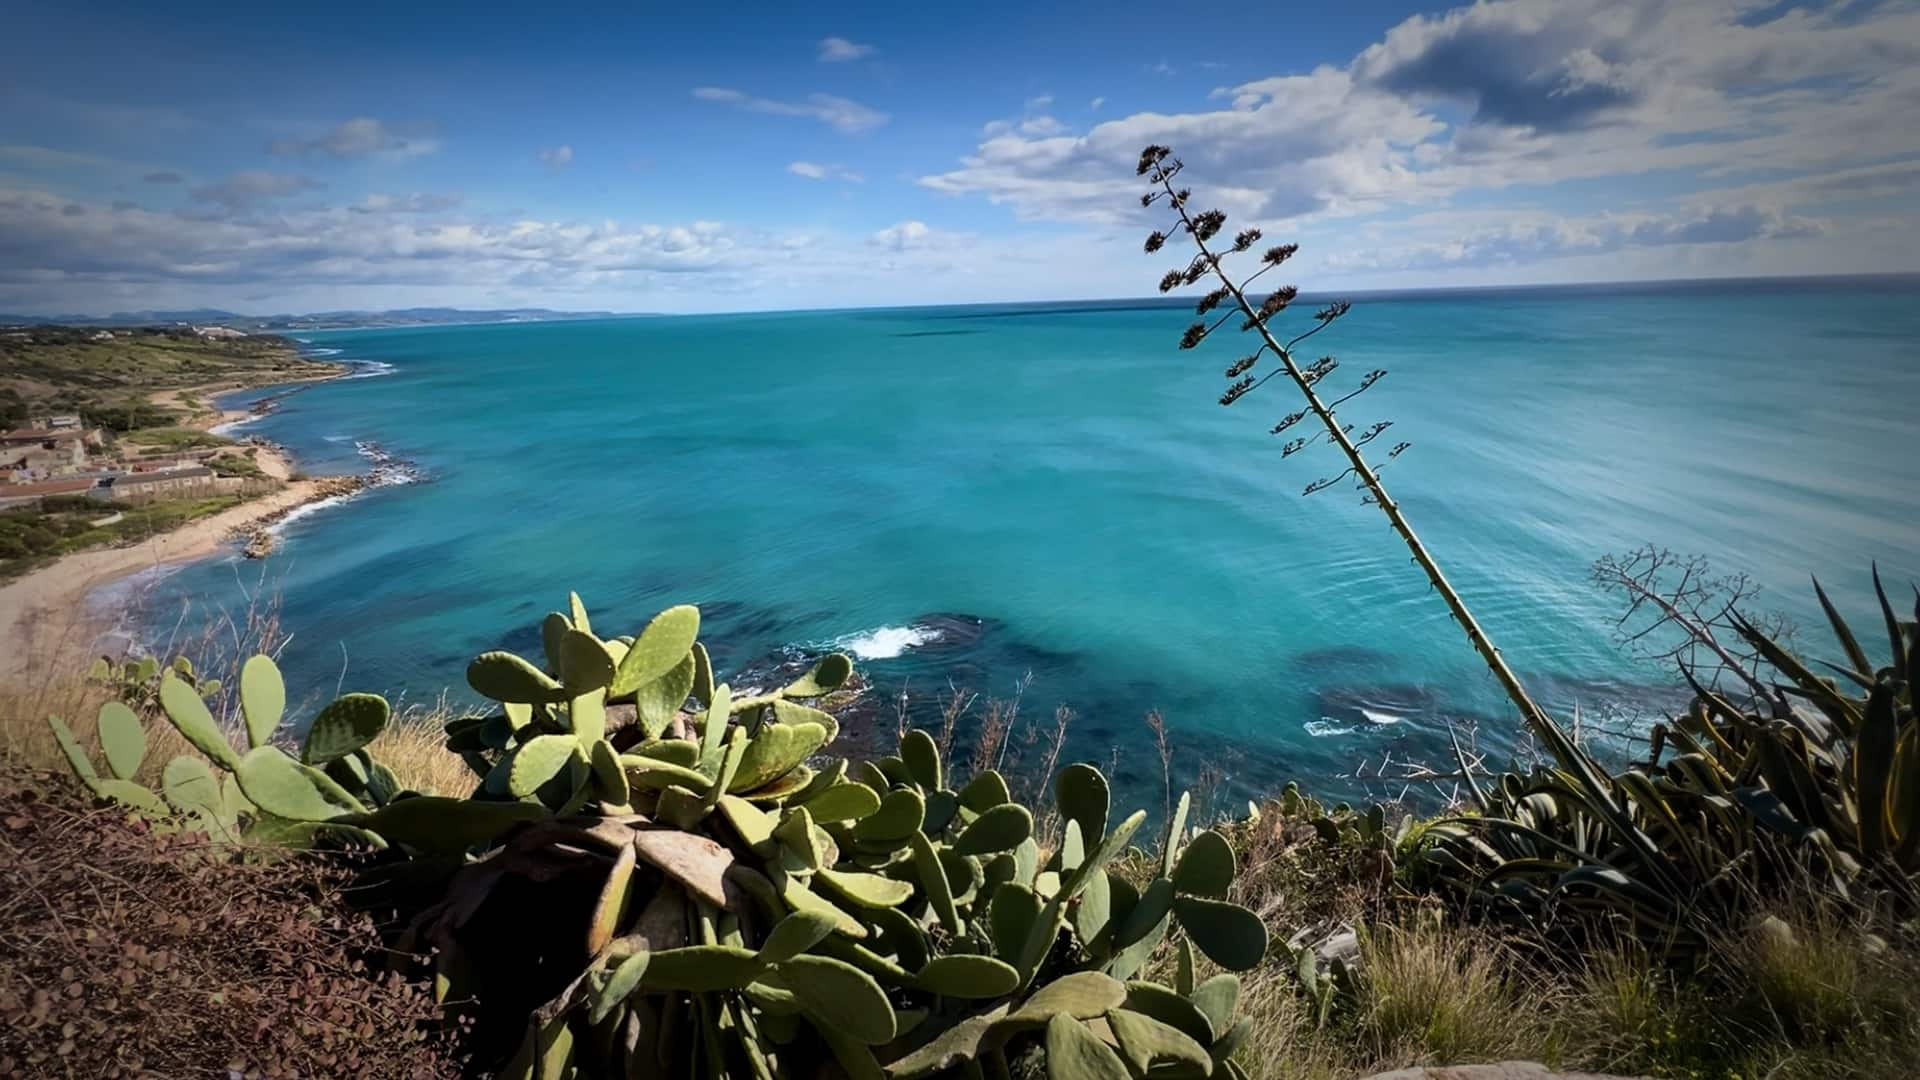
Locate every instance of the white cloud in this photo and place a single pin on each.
(251, 187)
(1096, 103)
(812, 170)
(838, 50)
(557, 157)
(903, 237)
(361, 136)
(1041, 125)
(1520, 96)
(842, 114)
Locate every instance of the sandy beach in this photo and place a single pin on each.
(44, 617)
(46, 624)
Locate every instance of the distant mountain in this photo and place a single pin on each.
(320, 320)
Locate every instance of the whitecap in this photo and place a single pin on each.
(885, 642)
(1383, 718)
(1324, 727)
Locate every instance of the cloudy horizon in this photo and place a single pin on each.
(261, 163)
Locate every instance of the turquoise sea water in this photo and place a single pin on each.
(879, 479)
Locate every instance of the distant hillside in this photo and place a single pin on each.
(321, 320)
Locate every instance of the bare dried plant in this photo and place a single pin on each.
(1159, 167)
(1680, 611)
(1162, 746)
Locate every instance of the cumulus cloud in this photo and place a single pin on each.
(813, 170)
(1500, 94)
(248, 188)
(557, 157)
(361, 136)
(841, 114)
(838, 50)
(1449, 241)
(418, 202)
(903, 237)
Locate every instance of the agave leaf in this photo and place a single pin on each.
(1844, 634)
(1896, 642)
(1873, 760)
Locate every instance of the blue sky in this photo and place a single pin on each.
(772, 157)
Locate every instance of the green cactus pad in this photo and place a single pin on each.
(189, 784)
(1145, 1042)
(829, 673)
(263, 699)
(608, 774)
(1074, 1053)
(1115, 842)
(285, 788)
(899, 933)
(1082, 795)
(503, 676)
(701, 969)
(1001, 828)
(985, 791)
(1081, 995)
(957, 1045)
(1010, 918)
(751, 824)
(189, 714)
(1162, 1004)
(841, 802)
(662, 646)
(1216, 998)
(682, 752)
(795, 934)
(584, 663)
(963, 976)
(649, 774)
(703, 687)
(70, 747)
(866, 773)
(1228, 934)
(899, 816)
(1093, 915)
(790, 712)
(128, 793)
(579, 612)
(345, 725)
(800, 898)
(619, 986)
(587, 718)
(775, 751)
(922, 757)
(1206, 868)
(713, 727)
(1176, 835)
(836, 993)
(942, 807)
(864, 890)
(657, 701)
(553, 628)
(794, 782)
(795, 833)
(539, 761)
(610, 908)
(122, 740)
(933, 879)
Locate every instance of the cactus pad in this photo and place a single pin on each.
(347, 724)
(263, 699)
(122, 740)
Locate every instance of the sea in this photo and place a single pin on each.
(1042, 507)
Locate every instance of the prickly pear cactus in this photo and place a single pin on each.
(267, 795)
(655, 874)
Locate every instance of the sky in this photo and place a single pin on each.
(757, 157)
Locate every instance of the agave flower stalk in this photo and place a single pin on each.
(1157, 163)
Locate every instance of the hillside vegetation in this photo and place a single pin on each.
(111, 379)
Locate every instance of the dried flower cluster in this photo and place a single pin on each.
(1158, 166)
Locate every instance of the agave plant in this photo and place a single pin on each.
(1730, 797)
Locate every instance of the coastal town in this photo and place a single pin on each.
(114, 459)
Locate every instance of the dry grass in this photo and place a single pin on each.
(414, 747)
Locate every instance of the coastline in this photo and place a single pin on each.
(47, 623)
